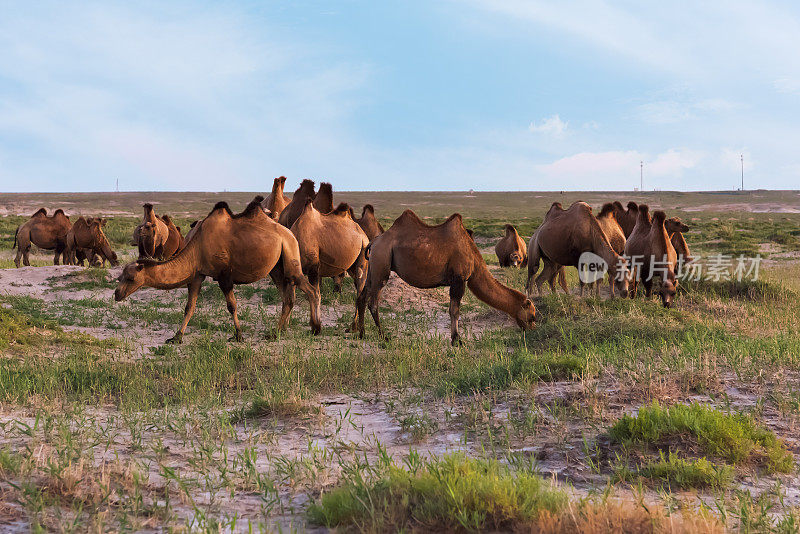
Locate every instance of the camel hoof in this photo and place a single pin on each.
(237, 337)
(175, 340)
(456, 342)
(271, 336)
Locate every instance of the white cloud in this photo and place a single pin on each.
(552, 126)
(616, 164)
(787, 85)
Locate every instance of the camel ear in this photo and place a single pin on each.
(527, 303)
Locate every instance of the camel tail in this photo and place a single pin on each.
(15, 238)
(533, 266)
(366, 252)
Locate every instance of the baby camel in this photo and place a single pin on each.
(231, 249)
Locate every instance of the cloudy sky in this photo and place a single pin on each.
(422, 95)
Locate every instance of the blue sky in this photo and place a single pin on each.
(405, 95)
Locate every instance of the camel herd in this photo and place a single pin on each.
(298, 241)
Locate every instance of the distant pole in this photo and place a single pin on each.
(641, 176)
(117, 185)
(741, 157)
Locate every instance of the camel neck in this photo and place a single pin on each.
(486, 287)
(604, 249)
(176, 272)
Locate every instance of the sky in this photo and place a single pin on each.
(399, 95)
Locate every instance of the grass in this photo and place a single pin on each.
(680, 473)
(734, 437)
(452, 493)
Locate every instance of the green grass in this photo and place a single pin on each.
(452, 493)
(680, 473)
(734, 437)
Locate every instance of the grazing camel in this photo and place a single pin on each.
(45, 232)
(652, 255)
(276, 201)
(627, 218)
(434, 256)
(323, 201)
(561, 240)
(331, 245)
(298, 203)
(85, 240)
(608, 218)
(231, 249)
(152, 235)
(175, 241)
(368, 222)
(511, 250)
(675, 229)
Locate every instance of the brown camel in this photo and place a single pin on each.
(175, 241)
(368, 222)
(231, 249)
(652, 255)
(511, 250)
(626, 217)
(276, 201)
(85, 240)
(298, 203)
(45, 232)
(675, 229)
(153, 234)
(609, 217)
(434, 256)
(561, 240)
(323, 201)
(331, 245)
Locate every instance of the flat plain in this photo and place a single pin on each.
(610, 414)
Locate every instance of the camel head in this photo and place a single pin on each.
(131, 279)
(515, 259)
(621, 276)
(526, 315)
(674, 224)
(103, 245)
(147, 238)
(668, 289)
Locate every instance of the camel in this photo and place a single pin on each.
(193, 228)
(276, 201)
(45, 232)
(561, 240)
(511, 250)
(608, 218)
(323, 201)
(331, 245)
(652, 255)
(169, 248)
(675, 229)
(231, 249)
(293, 210)
(626, 217)
(368, 222)
(85, 240)
(434, 256)
(153, 234)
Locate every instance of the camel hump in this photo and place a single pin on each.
(325, 186)
(253, 207)
(510, 229)
(633, 206)
(342, 209)
(644, 208)
(307, 186)
(166, 218)
(581, 205)
(607, 209)
(281, 179)
(618, 205)
(659, 216)
(367, 208)
(40, 211)
(59, 211)
(222, 206)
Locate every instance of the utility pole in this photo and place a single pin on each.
(641, 176)
(741, 157)
(117, 185)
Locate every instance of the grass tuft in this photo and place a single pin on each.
(734, 437)
(452, 493)
(676, 472)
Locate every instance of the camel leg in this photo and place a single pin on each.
(55, 258)
(337, 283)
(191, 303)
(648, 288)
(358, 272)
(456, 294)
(372, 293)
(21, 253)
(549, 272)
(226, 285)
(314, 301)
(287, 294)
